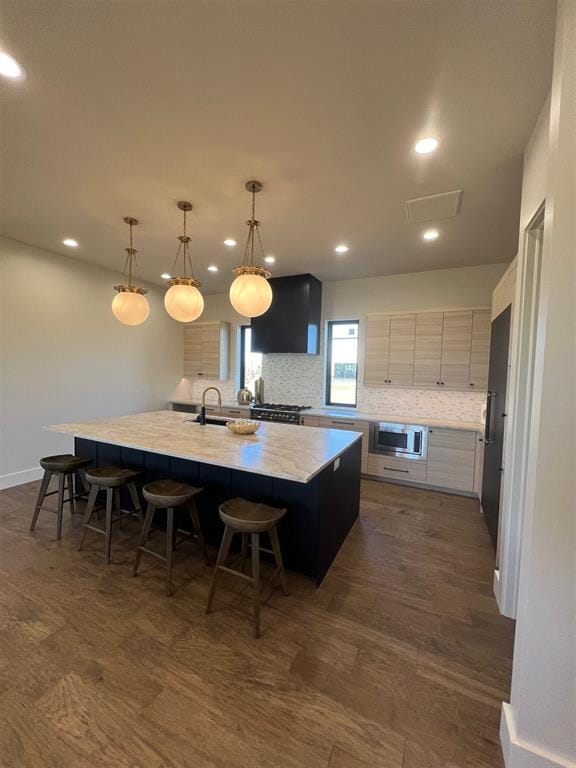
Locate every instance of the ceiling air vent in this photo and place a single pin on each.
(433, 207)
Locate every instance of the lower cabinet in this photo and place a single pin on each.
(454, 456)
(451, 458)
(397, 469)
(351, 425)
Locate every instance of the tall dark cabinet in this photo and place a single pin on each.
(292, 324)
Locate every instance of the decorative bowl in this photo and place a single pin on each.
(243, 426)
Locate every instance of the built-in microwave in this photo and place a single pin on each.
(405, 441)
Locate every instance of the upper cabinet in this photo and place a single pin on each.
(480, 352)
(428, 349)
(377, 357)
(456, 347)
(206, 350)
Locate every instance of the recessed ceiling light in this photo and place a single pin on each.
(70, 242)
(165, 276)
(342, 248)
(230, 242)
(426, 145)
(9, 67)
(431, 234)
(212, 268)
(270, 259)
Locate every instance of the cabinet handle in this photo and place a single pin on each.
(438, 383)
(442, 383)
(471, 383)
(342, 422)
(395, 469)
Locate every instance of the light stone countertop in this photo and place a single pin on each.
(353, 413)
(286, 451)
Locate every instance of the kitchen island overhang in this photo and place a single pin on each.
(314, 473)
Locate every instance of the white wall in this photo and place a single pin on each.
(64, 357)
(539, 725)
(300, 378)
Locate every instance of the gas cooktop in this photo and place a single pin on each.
(280, 407)
(278, 412)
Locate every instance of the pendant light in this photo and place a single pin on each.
(129, 305)
(250, 292)
(183, 300)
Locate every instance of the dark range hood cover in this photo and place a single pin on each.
(292, 324)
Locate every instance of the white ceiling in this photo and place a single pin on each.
(131, 106)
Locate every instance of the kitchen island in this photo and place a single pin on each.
(314, 473)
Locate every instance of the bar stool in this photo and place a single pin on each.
(64, 466)
(109, 479)
(169, 494)
(249, 518)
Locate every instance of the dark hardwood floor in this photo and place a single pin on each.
(399, 660)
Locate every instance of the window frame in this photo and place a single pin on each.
(328, 393)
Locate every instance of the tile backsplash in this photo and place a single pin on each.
(299, 379)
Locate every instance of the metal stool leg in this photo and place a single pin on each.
(144, 535)
(88, 514)
(222, 557)
(255, 542)
(169, 548)
(193, 512)
(108, 534)
(278, 557)
(60, 509)
(40, 500)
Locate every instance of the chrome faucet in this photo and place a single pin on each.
(219, 397)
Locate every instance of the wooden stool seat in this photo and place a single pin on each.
(251, 519)
(249, 516)
(110, 480)
(166, 495)
(110, 477)
(64, 466)
(169, 493)
(65, 462)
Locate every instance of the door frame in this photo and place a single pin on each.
(519, 409)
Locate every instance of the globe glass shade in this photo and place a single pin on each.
(184, 303)
(250, 295)
(130, 308)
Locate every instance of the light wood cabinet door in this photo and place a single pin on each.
(192, 351)
(309, 421)
(480, 349)
(451, 458)
(401, 354)
(377, 350)
(428, 349)
(210, 352)
(456, 348)
(206, 350)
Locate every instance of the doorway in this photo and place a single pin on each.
(525, 328)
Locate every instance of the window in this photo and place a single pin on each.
(250, 362)
(342, 362)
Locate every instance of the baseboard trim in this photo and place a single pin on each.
(20, 478)
(521, 754)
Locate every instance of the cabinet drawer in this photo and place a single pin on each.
(343, 423)
(460, 439)
(236, 413)
(310, 421)
(397, 469)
